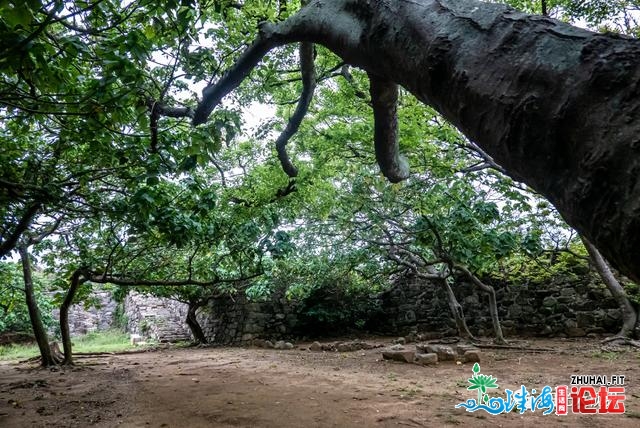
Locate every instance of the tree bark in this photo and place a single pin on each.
(629, 314)
(558, 107)
(76, 281)
(493, 304)
(458, 312)
(194, 325)
(8, 240)
(39, 332)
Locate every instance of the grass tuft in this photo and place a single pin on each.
(104, 341)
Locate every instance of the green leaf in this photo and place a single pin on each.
(17, 15)
(153, 180)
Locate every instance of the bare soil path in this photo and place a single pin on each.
(243, 387)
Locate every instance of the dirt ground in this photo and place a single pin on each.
(252, 387)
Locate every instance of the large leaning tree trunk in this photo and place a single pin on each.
(192, 321)
(558, 107)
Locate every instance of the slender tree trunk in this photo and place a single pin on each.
(194, 325)
(76, 281)
(493, 304)
(34, 312)
(457, 311)
(629, 314)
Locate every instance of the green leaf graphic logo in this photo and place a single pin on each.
(481, 383)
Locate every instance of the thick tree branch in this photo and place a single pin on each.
(213, 94)
(309, 83)
(167, 111)
(157, 110)
(9, 243)
(414, 268)
(384, 99)
(100, 278)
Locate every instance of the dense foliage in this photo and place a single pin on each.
(14, 315)
(102, 174)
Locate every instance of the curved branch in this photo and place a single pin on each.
(157, 110)
(384, 99)
(10, 242)
(100, 278)
(308, 87)
(167, 111)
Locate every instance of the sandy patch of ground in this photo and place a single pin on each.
(240, 387)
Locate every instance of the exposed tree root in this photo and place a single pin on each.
(515, 348)
(620, 341)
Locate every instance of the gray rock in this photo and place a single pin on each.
(547, 330)
(569, 324)
(472, 356)
(425, 348)
(575, 332)
(397, 347)
(260, 343)
(403, 356)
(400, 341)
(347, 347)
(445, 353)
(515, 310)
(329, 347)
(427, 359)
(315, 347)
(614, 314)
(136, 339)
(461, 349)
(410, 316)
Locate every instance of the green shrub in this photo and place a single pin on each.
(14, 315)
(336, 309)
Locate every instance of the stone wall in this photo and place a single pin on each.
(237, 320)
(96, 318)
(562, 309)
(571, 308)
(156, 318)
(568, 308)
